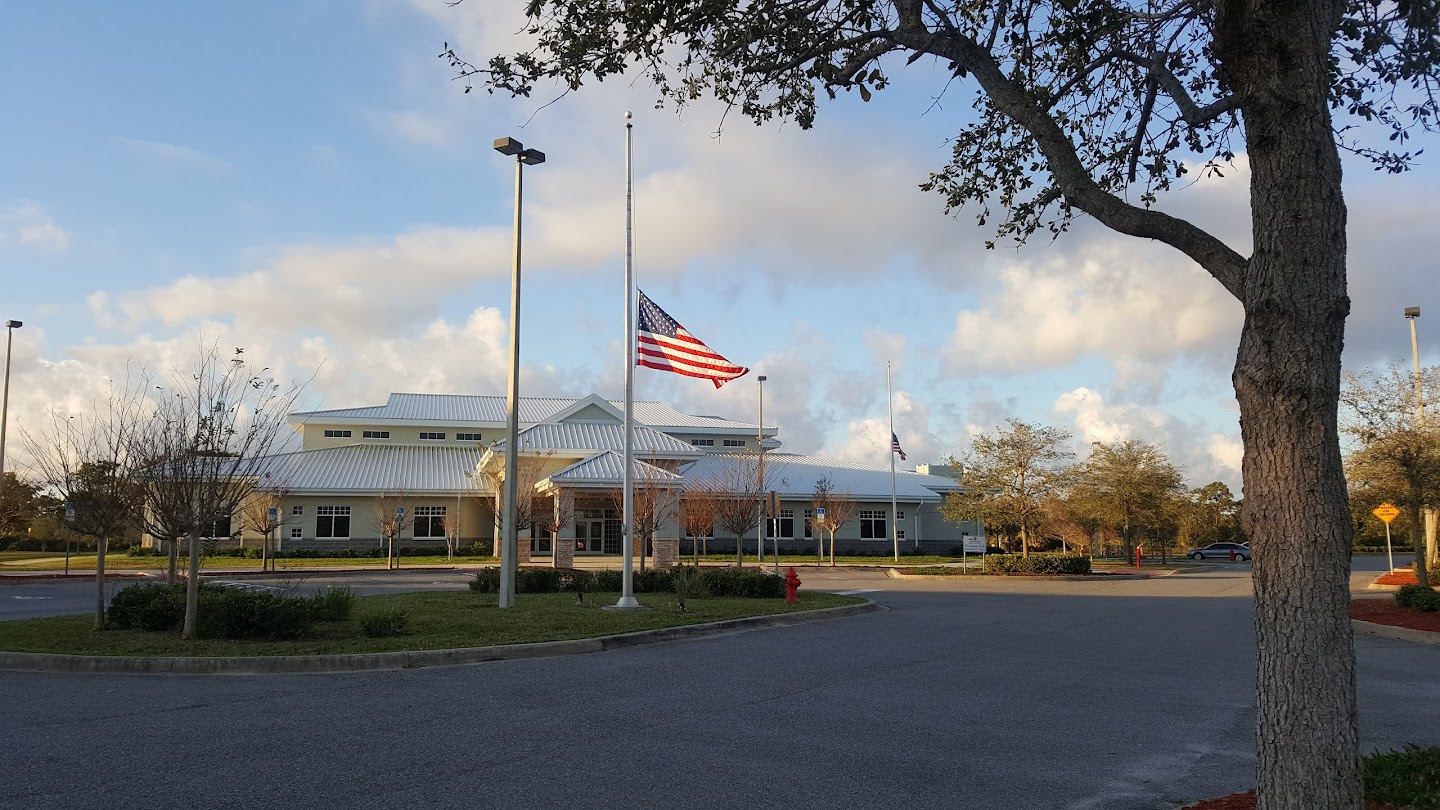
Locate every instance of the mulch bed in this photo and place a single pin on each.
(1246, 801)
(1385, 611)
(1401, 576)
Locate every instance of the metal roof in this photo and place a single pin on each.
(464, 409)
(593, 437)
(795, 476)
(373, 469)
(609, 468)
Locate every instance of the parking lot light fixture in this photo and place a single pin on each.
(10, 327)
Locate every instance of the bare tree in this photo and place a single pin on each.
(529, 470)
(739, 488)
(655, 498)
(560, 514)
(836, 506)
(86, 461)
(394, 512)
(265, 512)
(699, 508)
(208, 439)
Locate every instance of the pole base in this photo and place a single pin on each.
(626, 603)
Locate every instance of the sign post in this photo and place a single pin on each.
(1387, 512)
(69, 532)
(819, 535)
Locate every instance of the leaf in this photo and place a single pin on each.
(864, 93)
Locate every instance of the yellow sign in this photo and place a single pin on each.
(1386, 512)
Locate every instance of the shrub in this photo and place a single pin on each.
(1037, 564)
(576, 582)
(385, 623)
(688, 583)
(141, 551)
(652, 581)
(153, 608)
(537, 580)
(235, 613)
(1419, 598)
(607, 581)
(333, 604)
(729, 582)
(487, 580)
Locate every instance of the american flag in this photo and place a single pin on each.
(664, 344)
(895, 446)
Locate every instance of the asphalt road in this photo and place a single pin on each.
(1116, 695)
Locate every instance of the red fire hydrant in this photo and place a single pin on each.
(1232, 555)
(792, 584)
(1137, 556)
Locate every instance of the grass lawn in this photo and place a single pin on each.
(437, 620)
(840, 559)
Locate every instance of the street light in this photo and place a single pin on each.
(509, 547)
(10, 327)
(1412, 314)
(760, 474)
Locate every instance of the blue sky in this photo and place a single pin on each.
(305, 180)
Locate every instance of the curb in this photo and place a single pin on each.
(408, 659)
(894, 574)
(1390, 631)
(46, 575)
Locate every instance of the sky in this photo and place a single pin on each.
(306, 179)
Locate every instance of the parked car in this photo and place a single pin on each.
(1220, 551)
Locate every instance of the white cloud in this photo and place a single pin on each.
(169, 153)
(27, 225)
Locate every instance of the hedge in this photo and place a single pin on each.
(720, 582)
(1414, 596)
(1037, 564)
(227, 612)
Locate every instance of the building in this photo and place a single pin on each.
(427, 468)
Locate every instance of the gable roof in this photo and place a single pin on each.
(585, 438)
(795, 476)
(608, 468)
(438, 409)
(372, 469)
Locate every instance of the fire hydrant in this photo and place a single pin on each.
(1232, 555)
(1137, 556)
(792, 584)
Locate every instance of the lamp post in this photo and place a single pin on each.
(10, 327)
(760, 475)
(509, 548)
(1412, 314)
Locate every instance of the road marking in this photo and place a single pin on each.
(855, 593)
(246, 585)
(31, 597)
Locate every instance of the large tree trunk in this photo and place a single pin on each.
(1417, 537)
(1287, 381)
(174, 555)
(192, 588)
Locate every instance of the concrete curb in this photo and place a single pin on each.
(894, 574)
(408, 659)
(1390, 631)
(6, 577)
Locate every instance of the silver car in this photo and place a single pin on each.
(1220, 551)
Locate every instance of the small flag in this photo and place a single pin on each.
(665, 345)
(895, 446)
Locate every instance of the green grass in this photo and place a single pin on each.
(35, 561)
(437, 620)
(1409, 778)
(840, 559)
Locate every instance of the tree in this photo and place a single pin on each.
(1060, 520)
(1095, 107)
(838, 507)
(699, 508)
(19, 508)
(85, 460)
(1397, 453)
(654, 501)
(739, 487)
(206, 441)
(529, 470)
(265, 512)
(1210, 514)
(560, 514)
(393, 513)
(1127, 484)
(1008, 474)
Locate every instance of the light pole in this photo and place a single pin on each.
(1412, 314)
(509, 548)
(10, 327)
(760, 474)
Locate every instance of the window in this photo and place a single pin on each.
(429, 521)
(809, 520)
(787, 522)
(337, 434)
(703, 442)
(297, 510)
(467, 437)
(332, 521)
(219, 528)
(432, 436)
(734, 442)
(375, 434)
(899, 521)
(296, 533)
(872, 524)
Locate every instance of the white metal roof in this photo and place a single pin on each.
(368, 468)
(795, 476)
(443, 409)
(594, 437)
(609, 468)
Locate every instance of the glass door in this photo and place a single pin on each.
(589, 535)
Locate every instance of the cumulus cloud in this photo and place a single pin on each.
(25, 224)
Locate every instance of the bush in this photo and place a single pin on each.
(730, 582)
(333, 604)
(153, 608)
(607, 581)
(1414, 596)
(141, 551)
(537, 580)
(1037, 564)
(652, 581)
(688, 583)
(385, 623)
(487, 580)
(235, 613)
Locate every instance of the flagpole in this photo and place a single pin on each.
(627, 518)
(894, 511)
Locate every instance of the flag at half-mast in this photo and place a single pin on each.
(895, 446)
(665, 345)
